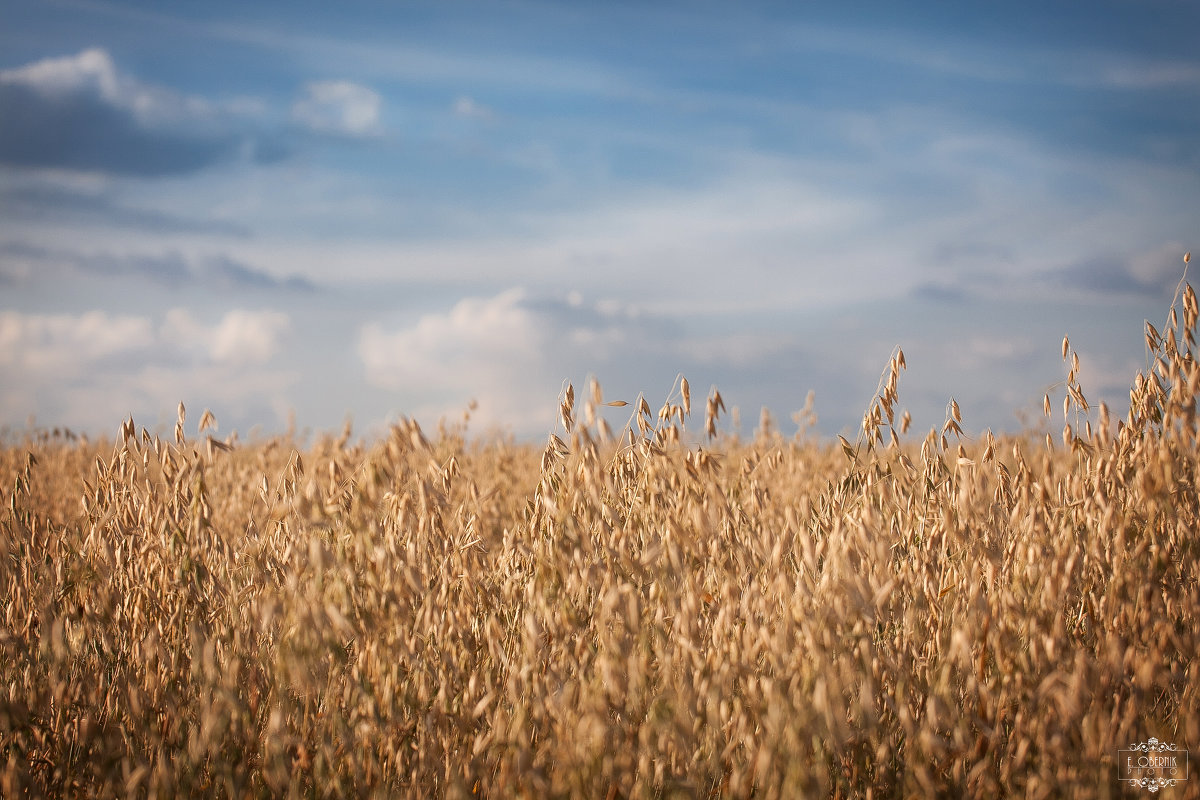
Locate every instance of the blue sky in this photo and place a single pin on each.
(381, 209)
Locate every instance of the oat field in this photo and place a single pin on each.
(664, 611)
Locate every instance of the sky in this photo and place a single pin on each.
(310, 212)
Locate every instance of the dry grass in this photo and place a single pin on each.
(629, 617)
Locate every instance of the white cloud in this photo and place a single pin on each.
(50, 342)
(94, 72)
(241, 337)
(489, 328)
(340, 107)
(493, 350)
(91, 69)
(248, 337)
(47, 343)
(467, 107)
(94, 368)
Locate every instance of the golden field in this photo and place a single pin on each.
(658, 613)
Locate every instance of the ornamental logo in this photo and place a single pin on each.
(1153, 765)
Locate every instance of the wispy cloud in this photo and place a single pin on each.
(1135, 74)
(468, 107)
(339, 107)
(1005, 62)
(25, 262)
(31, 199)
(392, 57)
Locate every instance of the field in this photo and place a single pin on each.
(655, 613)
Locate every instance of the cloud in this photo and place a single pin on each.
(62, 342)
(1154, 272)
(339, 107)
(248, 337)
(40, 201)
(1158, 268)
(91, 71)
(236, 275)
(1149, 75)
(80, 113)
(44, 343)
(89, 370)
(467, 107)
(240, 338)
(169, 269)
(22, 263)
(1115, 272)
(487, 349)
(510, 352)
(94, 74)
(997, 62)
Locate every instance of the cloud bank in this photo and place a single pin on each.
(94, 368)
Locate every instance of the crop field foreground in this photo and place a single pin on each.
(658, 613)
